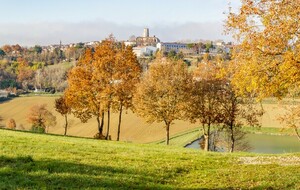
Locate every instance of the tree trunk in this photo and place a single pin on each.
(108, 123)
(99, 125)
(168, 133)
(232, 139)
(206, 138)
(102, 124)
(297, 133)
(66, 124)
(120, 120)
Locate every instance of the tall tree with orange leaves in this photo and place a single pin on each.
(103, 81)
(126, 76)
(83, 94)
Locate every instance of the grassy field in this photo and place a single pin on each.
(37, 161)
(134, 129)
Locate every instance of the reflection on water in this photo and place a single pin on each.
(269, 144)
(274, 144)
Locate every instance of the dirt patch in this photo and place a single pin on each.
(263, 160)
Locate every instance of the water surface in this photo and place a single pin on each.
(269, 144)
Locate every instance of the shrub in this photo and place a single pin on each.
(11, 124)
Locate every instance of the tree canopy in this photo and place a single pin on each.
(267, 55)
(161, 95)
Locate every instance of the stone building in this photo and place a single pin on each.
(146, 40)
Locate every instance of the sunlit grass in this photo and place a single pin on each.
(38, 161)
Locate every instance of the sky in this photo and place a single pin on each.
(45, 22)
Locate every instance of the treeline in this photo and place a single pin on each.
(28, 68)
(49, 55)
(24, 75)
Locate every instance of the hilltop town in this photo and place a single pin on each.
(143, 46)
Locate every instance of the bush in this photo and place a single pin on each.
(37, 129)
(11, 124)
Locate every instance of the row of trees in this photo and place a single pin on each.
(109, 79)
(169, 92)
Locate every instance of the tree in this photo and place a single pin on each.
(237, 112)
(91, 82)
(266, 59)
(64, 109)
(267, 56)
(2, 53)
(84, 91)
(7, 49)
(203, 105)
(37, 49)
(105, 68)
(11, 124)
(162, 93)
(25, 73)
(41, 118)
(291, 119)
(103, 81)
(126, 77)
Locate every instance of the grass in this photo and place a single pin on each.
(269, 131)
(38, 161)
(182, 139)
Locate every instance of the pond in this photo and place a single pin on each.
(269, 144)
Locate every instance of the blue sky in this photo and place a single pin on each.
(30, 22)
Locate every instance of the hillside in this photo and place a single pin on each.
(36, 161)
(134, 129)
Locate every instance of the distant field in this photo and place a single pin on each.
(40, 161)
(134, 129)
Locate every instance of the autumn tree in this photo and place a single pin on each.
(64, 109)
(84, 91)
(291, 119)
(91, 84)
(11, 124)
(103, 81)
(203, 105)
(7, 49)
(237, 111)
(162, 92)
(267, 56)
(25, 74)
(41, 118)
(126, 76)
(104, 71)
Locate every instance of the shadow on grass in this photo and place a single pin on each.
(26, 173)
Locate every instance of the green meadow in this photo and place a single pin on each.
(41, 161)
